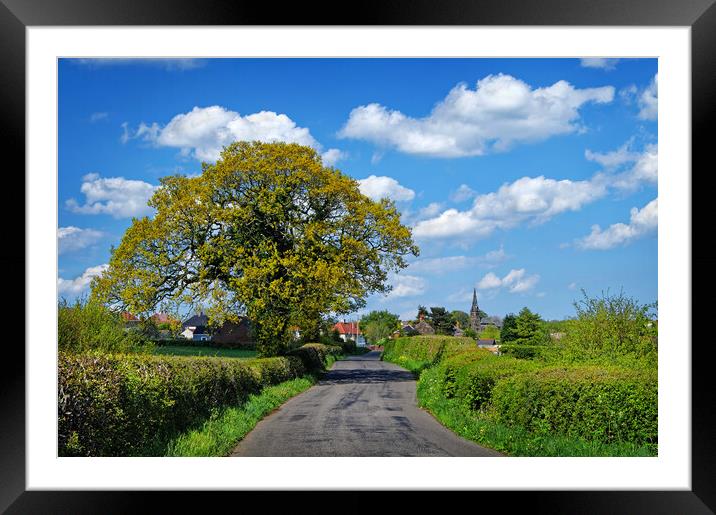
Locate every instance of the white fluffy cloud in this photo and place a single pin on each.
(463, 193)
(70, 239)
(332, 156)
(498, 113)
(536, 200)
(450, 264)
(649, 100)
(115, 196)
(599, 62)
(642, 222)
(406, 286)
(516, 281)
(204, 131)
(81, 283)
(377, 188)
(642, 167)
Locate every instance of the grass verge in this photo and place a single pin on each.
(225, 428)
(190, 350)
(517, 441)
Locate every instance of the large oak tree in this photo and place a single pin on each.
(268, 231)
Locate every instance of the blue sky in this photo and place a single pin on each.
(526, 178)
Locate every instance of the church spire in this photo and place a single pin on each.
(474, 312)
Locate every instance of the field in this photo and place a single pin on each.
(189, 350)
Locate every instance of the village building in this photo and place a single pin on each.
(196, 328)
(350, 331)
(423, 327)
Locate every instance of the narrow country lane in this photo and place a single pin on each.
(361, 407)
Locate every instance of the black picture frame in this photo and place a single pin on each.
(699, 15)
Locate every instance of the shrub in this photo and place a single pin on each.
(594, 403)
(471, 377)
(609, 328)
(349, 346)
(315, 355)
(429, 349)
(89, 326)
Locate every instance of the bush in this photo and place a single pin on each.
(89, 326)
(594, 403)
(430, 349)
(610, 328)
(314, 356)
(349, 346)
(131, 405)
(471, 377)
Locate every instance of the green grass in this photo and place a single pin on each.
(190, 350)
(222, 431)
(514, 440)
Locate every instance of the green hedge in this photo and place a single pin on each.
(131, 405)
(315, 355)
(472, 376)
(594, 403)
(429, 349)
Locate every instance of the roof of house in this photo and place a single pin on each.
(489, 341)
(162, 318)
(128, 317)
(347, 328)
(196, 320)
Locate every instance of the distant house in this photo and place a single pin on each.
(196, 328)
(162, 318)
(486, 342)
(350, 331)
(129, 319)
(233, 334)
(423, 327)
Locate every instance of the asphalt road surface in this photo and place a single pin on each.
(361, 407)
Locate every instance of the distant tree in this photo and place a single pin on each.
(422, 310)
(509, 329)
(441, 321)
(461, 317)
(377, 325)
(529, 328)
(470, 333)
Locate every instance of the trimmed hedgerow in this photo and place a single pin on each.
(428, 349)
(594, 403)
(131, 405)
(471, 377)
(314, 356)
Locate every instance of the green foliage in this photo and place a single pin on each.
(349, 346)
(471, 377)
(481, 427)
(422, 311)
(460, 317)
(593, 403)
(428, 349)
(87, 326)
(204, 350)
(131, 405)
(508, 333)
(377, 325)
(220, 433)
(441, 321)
(266, 230)
(490, 332)
(314, 356)
(470, 333)
(611, 329)
(529, 329)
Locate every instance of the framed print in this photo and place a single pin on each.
(509, 159)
